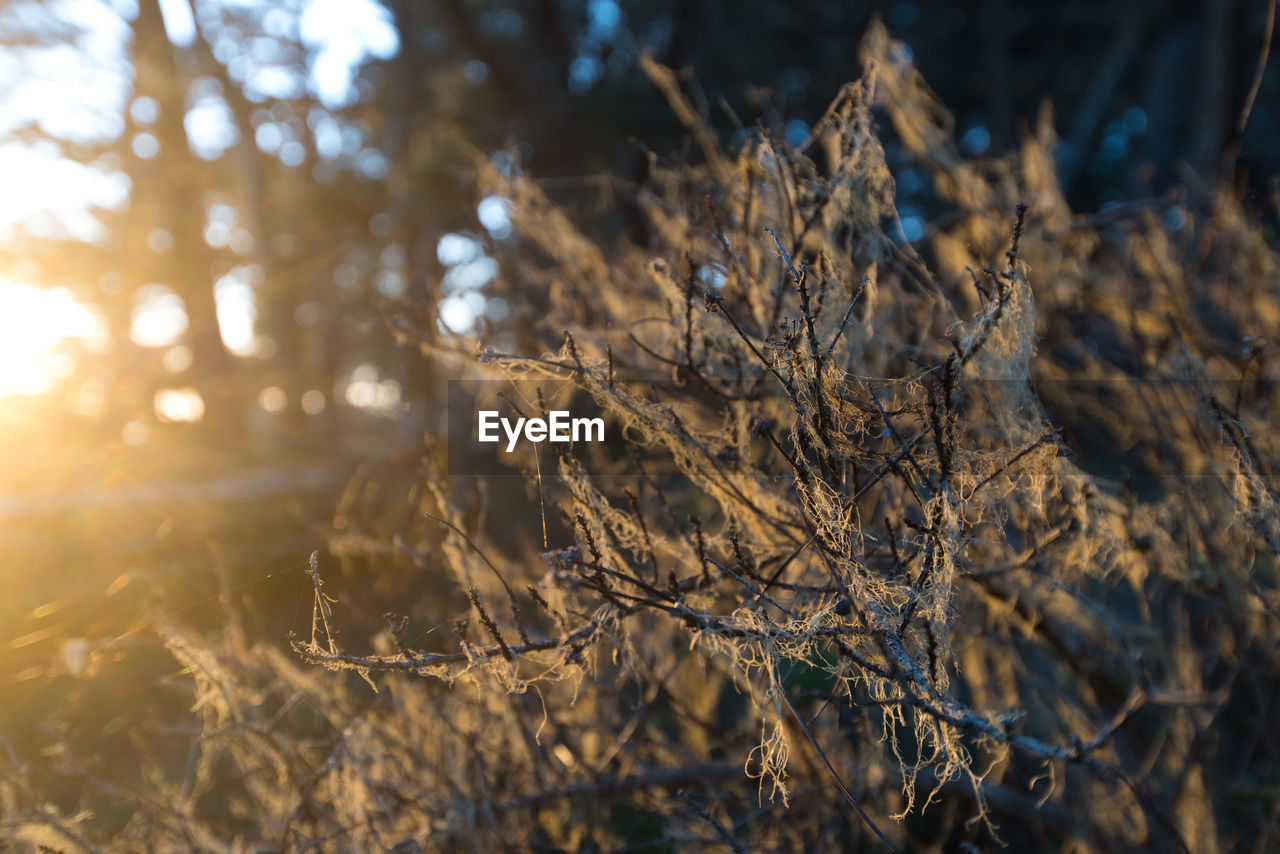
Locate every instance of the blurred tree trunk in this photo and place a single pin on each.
(1206, 142)
(168, 193)
(258, 181)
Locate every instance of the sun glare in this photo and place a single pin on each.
(32, 323)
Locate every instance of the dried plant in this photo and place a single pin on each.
(865, 581)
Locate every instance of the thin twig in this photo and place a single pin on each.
(1263, 54)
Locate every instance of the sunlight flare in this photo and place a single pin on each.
(32, 324)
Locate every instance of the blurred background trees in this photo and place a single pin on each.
(286, 168)
(283, 169)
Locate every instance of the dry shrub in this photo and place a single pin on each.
(872, 579)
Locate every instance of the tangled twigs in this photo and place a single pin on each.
(321, 616)
(715, 304)
(841, 501)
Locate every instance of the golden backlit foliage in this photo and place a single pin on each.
(920, 546)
